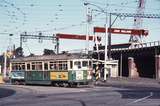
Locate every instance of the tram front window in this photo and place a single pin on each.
(77, 64)
(85, 64)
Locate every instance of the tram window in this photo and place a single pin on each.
(28, 66)
(38, 65)
(13, 67)
(45, 66)
(78, 64)
(56, 66)
(16, 67)
(90, 63)
(71, 64)
(64, 67)
(19, 67)
(84, 63)
(33, 67)
(23, 67)
(51, 66)
(60, 66)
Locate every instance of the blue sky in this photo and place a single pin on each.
(66, 16)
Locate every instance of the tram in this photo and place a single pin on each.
(58, 69)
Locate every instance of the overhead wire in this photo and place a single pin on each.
(13, 14)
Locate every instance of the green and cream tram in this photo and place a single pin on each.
(61, 69)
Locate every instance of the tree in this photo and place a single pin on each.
(48, 52)
(18, 52)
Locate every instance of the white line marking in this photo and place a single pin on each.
(141, 99)
(82, 90)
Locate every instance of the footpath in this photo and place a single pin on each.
(130, 82)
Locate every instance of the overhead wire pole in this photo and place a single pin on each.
(106, 45)
(87, 30)
(88, 23)
(40, 37)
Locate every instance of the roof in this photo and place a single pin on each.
(47, 57)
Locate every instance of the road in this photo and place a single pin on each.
(83, 96)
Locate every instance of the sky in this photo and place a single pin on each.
(67, 16)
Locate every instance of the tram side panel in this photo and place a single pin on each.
(37, 77)
(59, 77)
(56, 77)
(78, 77)
(69, 77)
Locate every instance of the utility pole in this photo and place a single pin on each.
(8, 52)
(109, 36)
(106, 45)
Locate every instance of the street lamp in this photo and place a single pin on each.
(89, 20)
(106, 35)
(5, 56)
(101, 9)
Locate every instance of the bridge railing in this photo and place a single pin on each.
(139, 45)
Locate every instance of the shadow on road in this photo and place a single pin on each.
(4, 92)
(140, 93)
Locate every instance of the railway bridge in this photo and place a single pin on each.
(145, 58)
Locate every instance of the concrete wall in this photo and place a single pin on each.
(157, 66)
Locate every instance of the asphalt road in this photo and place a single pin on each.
(83, 96)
